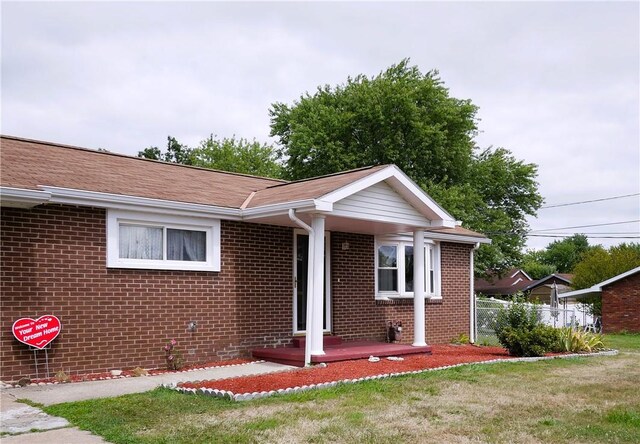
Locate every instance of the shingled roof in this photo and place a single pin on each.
(31, 165)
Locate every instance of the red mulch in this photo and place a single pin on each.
(442, 355)
(129, 372)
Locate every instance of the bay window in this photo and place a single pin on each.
(152, 241)
(394, 268)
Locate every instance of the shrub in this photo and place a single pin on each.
(519, 330)
(462, 338)
(577, 341)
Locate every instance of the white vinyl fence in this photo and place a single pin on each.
(564, 316)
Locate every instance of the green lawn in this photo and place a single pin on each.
(558, 401)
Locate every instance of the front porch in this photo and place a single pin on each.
(336, 350)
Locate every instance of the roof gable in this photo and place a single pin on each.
(511, 282)
(378, 202)
(552, 278)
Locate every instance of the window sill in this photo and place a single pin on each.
(390, 297)
(163, 266)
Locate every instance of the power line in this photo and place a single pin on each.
(586, 226)
(588, 237)
(589, 201)
(571, 233)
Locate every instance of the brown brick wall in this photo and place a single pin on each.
(53, 262)
(621, 305)
(356, 313)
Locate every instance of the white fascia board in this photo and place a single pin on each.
(580, 293)
(457, 238)
(598, 287)
(124, 202)
(430, 236)
(403, 185)
(617, 278)
(307, 205)
(22, 197)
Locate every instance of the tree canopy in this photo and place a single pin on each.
(599, 264)
(175, 152)
(404, 117)
(226, 154)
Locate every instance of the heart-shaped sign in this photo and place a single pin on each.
(39, 332)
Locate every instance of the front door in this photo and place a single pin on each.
(300, 273)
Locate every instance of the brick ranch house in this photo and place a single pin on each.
(127, 252)
(620, 301)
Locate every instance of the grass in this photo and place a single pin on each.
(557, 401)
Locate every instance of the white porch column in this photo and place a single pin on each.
(316, 298)
(418, 289)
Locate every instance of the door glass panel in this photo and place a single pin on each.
(302, 270)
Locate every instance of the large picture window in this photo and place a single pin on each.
(139, 240)
(394, 269)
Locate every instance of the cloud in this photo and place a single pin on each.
(557, 83)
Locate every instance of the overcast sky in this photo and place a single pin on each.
(556, 83)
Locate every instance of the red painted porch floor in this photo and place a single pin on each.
(345, 351)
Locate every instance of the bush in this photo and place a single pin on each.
(519, 330)
(577, 341)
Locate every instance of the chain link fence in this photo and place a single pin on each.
(487, 317)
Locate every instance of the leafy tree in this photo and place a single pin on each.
(533, 264)
(227, 154)
(176, 152)
(400, 116)
(404, 117)
(599, 264)
(237, 155)
(566, 253)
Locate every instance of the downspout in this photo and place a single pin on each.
(472, 300)
(308, 229)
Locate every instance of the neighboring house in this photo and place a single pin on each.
(503, 286)
(620, 301)
(130, 252)
(540, 290)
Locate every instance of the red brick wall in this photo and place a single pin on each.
(356, 313)
(621, 305)
(53, 262)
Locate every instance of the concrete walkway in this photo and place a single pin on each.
(20, 418)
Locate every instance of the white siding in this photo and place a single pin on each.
(379, 202)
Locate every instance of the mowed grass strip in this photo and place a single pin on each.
(557, 401)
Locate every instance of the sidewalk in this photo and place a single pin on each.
(20, 418)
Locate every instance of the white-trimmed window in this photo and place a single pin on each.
(388, 268)
(394, 268)
(162, 242)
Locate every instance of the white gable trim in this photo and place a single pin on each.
(405, 187)
(595, 289)
(379, 202)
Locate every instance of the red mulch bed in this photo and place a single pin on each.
(129, 372)
(442, 355)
